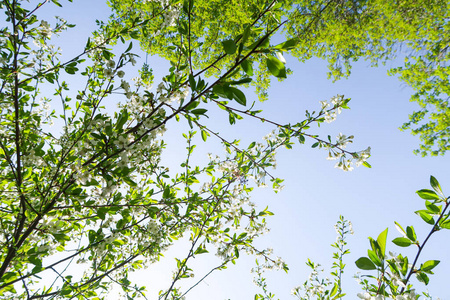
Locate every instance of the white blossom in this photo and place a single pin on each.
(280, 57)
(109, 73)
(120, 73)
(110, 63)
(45, 30)
(99, 40)
(125, 85)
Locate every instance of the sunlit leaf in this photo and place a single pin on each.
(402, 242)
(428, 194)
(381, 240)
(429, 265)
(276, 67)
(425, 216)
(365, 264)
(229, 46)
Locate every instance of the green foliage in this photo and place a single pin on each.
(417, 30)
(394, 274)
(339, 31)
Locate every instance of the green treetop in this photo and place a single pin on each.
(338, 31)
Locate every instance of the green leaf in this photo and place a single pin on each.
(106, 54)
(246, 34)
(445, 224)
(434, 209)
(231, 118)
(241, 81)
(56, 3)
(247, 66)
(27, 88)
(204, 135)
(374, 258)
(404, 265)
(70, 70)
(402, 242)
(242, 235)
(334, 290)
(9, 276)
(276, 67)
(50, 77)
(428, 194)
(129, 181)
(229, 46)
(365, 264)
(61, 237)
(381, 240)
(183, 28)
(429, 265)
(92, 236)
(35, 261)
(199, 111)
(239, 96)
(101, 212)
(435, 184)
(400, 228)
(367, 165)
(186, 7)
(66, 291)
(288, 45)
(220, 91)
(123, 118)
(425, 216)
(422, 277)
(411, 234)
(262, 43)
(166, 192)
(376, 248)
(129, 47)
(192, 82)
(192, 105)
(201, 249)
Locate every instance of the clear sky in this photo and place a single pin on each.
(315, 192)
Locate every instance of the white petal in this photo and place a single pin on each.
(280, 57)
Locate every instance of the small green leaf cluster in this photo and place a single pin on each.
(394, 273)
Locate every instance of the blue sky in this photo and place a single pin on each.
(315, 192)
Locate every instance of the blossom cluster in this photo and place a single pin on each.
(333, 108)
(345, 159)
(347, 227)
(45, 30)
(314, 286)
(46, 52)
(234, 205)
(411, 295)
(171, 13)
(166, 96)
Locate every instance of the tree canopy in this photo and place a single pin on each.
(339, 31)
